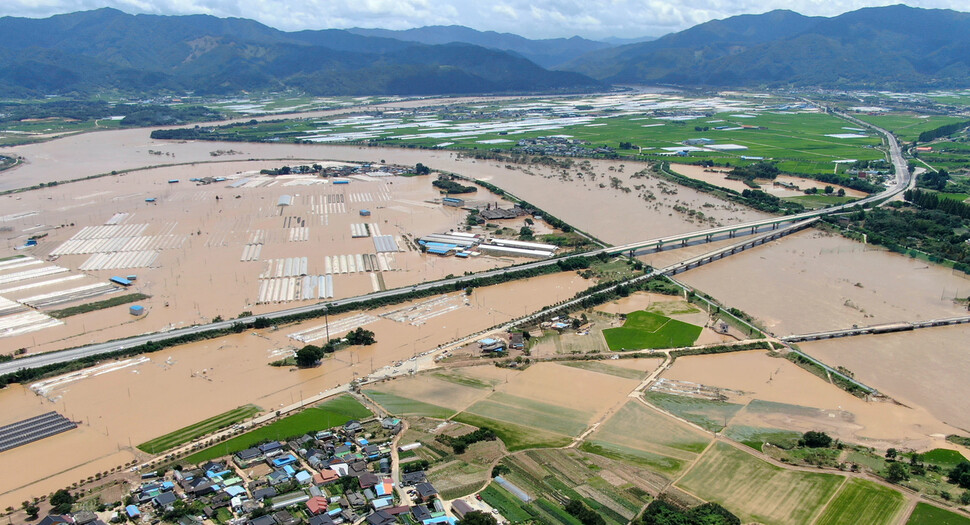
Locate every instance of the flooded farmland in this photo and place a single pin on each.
(813, 281)
(778, 381)
(121, 408)
(924, 368)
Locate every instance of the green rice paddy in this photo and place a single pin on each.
(863, 502)
(649, 330)
(926, 514)
(197, 430)
(326, 415)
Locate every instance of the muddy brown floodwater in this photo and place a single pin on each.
(119, 409)
(201, 233)
(772, 379)
(813, 281)
(925, 368)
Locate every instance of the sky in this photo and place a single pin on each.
(530, 18)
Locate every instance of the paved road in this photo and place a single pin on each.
(903, 181)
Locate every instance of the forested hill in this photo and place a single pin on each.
(881, 47)
(548, 52)
(90, 51)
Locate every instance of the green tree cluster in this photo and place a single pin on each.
(662, 512)
(360, 337)
(815, 439)
(960, 475)
(477, 517)
(584, 514)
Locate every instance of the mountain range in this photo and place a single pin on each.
(881, 47)
(103, 49)
(90, 51)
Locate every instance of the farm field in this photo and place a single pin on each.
(460, 475)
(544, 416)
(649, 330)
(328, 414)
(610, 369)
(804, 141)
(926, 514)
(184, 435)
(907, 126)
(952, 155)
(512, 508)
(863, 502)
(515, 437)
(436, 394)
(402, 406)
(613, 489)
(712, 415)
(637, 433)
(756, 437)
(755, 490)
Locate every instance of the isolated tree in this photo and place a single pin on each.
(815, 439)
(361, 337)
(308, 356)
(525, 232)
(841, 192)
(896, 472)
(829, 190)
(891, 454)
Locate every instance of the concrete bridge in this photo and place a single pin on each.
(876, 329)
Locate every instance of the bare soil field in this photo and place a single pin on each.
(924, 368)
(590, 392)
(813, 403)
(829, 282)
(226, 373)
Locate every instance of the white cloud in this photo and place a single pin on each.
(531, 18)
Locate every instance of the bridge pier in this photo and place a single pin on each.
(731, 234)
(709, 236)
(683, 242)
(754, 229)
(774, 226)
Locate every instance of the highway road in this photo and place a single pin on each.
(903, 181)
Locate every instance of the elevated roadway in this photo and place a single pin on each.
(903, 180)
(875, 329)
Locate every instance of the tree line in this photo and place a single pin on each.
(942, 131)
